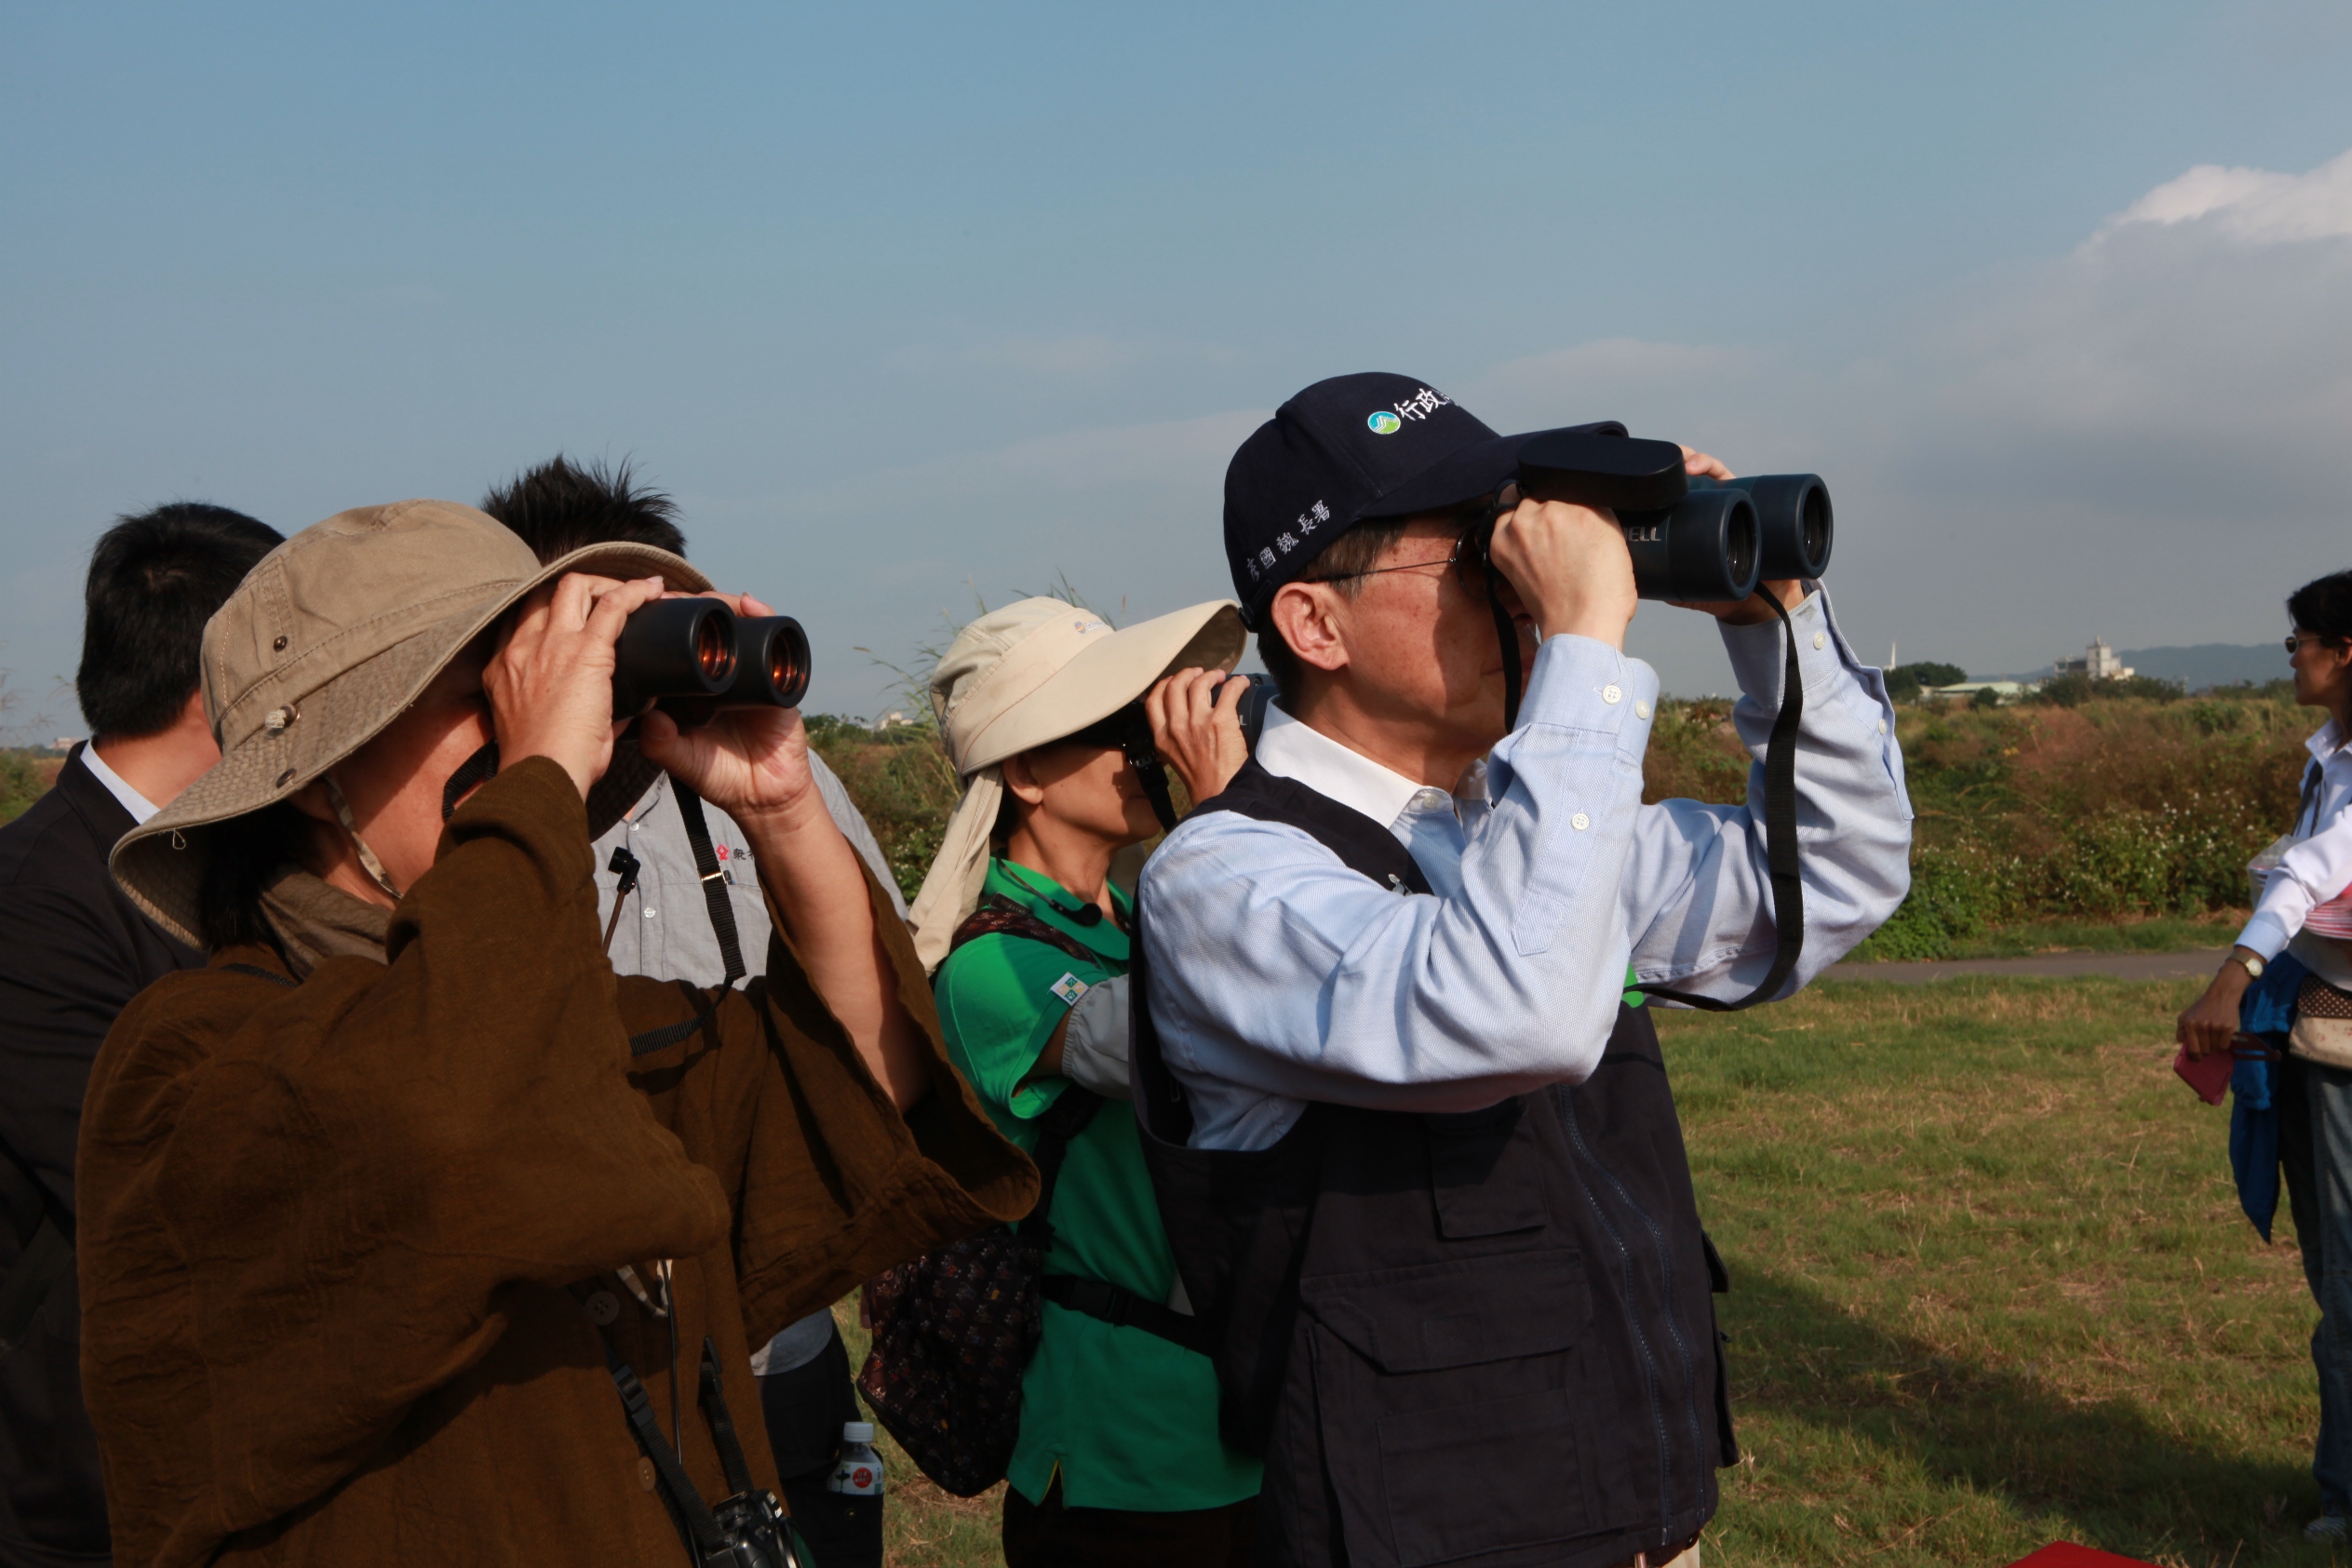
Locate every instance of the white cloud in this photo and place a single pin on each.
(2251, 206)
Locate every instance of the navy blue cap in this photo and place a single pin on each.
(1341, 451)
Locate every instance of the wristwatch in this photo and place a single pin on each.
(2253, 967)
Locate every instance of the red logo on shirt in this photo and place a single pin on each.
(722, 851)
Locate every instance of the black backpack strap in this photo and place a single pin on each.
(722, 908)
(1061, 1121)
(1122, 1307)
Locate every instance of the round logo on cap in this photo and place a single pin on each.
(1385, 423)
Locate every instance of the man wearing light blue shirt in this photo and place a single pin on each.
(1418, 1157)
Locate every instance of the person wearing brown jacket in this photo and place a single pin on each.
(389, 1210)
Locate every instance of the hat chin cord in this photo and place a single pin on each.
(368, 860)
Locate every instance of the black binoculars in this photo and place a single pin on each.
(1690, 538)
(691, 657)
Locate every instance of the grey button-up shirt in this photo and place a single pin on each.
(665, 930)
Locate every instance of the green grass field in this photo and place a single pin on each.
(2158, 933)
(1990, 1289)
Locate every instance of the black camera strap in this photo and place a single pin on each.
(695, 1520)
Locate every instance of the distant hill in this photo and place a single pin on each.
(2199, 664)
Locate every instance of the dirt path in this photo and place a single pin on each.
(2121, 966)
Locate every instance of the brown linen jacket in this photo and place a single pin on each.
(327, 1231)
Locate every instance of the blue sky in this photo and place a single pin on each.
(910, 304)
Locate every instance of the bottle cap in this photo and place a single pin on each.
(857, 1431)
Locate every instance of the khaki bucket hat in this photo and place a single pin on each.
(1033, 672)
(326, 642)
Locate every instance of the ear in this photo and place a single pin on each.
(1020, 779)
(1310, 619)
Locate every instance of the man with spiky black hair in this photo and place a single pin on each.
(659, 920)
(74, 950)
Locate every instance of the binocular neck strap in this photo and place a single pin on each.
(1507, 638)
(480, 768)
(1780, 840)
(722, 908)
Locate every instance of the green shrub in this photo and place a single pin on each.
(21, 782)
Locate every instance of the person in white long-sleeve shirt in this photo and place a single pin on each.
(2313, 1099)
(1418, 1157)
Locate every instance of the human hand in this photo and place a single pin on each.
(1569, 566)
(550, 683)
(1753, 609)
(2210, 1022)
(751, 763)
(1197, 728)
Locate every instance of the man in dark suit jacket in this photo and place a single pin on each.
(72, 951)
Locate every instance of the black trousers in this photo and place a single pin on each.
(804, 1409)
(1047, 1534)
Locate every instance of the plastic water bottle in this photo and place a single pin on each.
(858, 1472)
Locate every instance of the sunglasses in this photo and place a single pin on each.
(2295, 644)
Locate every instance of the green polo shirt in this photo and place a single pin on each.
(1128, 1419)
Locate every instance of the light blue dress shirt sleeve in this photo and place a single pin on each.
(1278, 976)
(1698, 895)
(1275, 970)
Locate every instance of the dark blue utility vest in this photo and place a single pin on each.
(1488, 1335)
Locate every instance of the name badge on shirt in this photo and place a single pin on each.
(1069, 988)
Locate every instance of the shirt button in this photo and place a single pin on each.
(1882, 726)
(1820, 640)
(1641, 710)
(645, 1472)
(1430, 800)
(650, 914)
(1612, 692)
(603, 1307)
(1579, 822)
(632, 827)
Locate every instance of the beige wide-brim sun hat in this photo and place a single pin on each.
(326, 642)
(1033, 672)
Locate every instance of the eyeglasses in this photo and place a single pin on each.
(1473, 516)
(2295, 644)
(1460, 546)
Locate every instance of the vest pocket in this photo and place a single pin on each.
(1448, 1398)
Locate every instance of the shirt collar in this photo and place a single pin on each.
(1288, 748)
(138, 805)
(1045, 898)
(2323, 745)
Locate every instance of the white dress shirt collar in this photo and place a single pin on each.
(2324, 743)
(1290, 749)
(138, 805)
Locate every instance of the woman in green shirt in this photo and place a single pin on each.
(1118, 1460)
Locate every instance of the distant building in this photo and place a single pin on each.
(66, 743)
(891, 720)
(2099, 662)
(2003, 691)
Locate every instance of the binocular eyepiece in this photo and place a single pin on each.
(691, 657)
(1690, 538)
